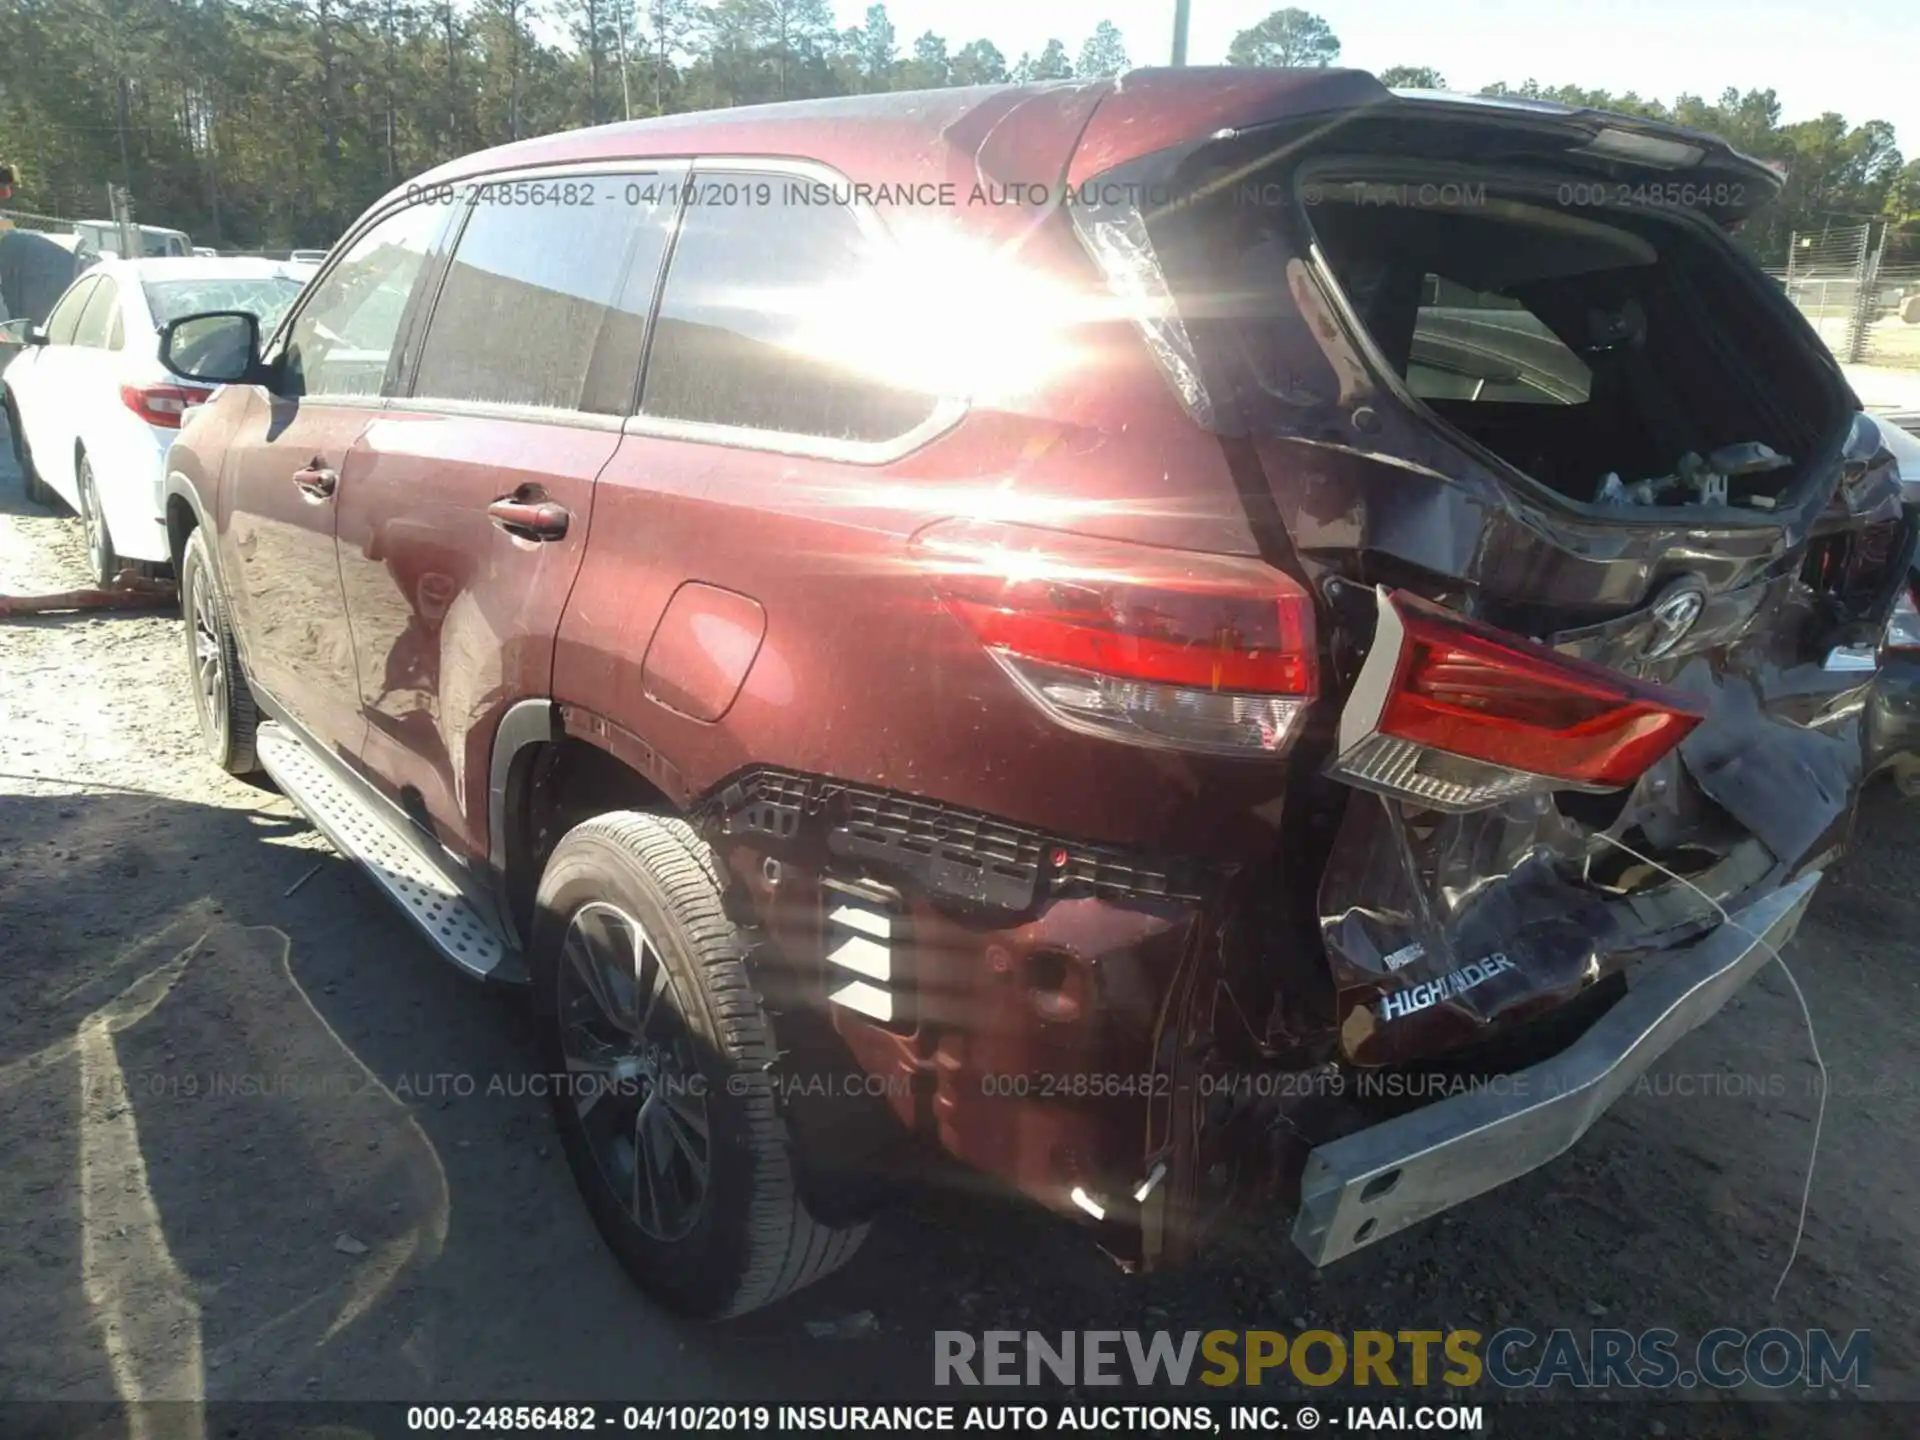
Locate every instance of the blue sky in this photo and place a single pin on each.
(1858, 57)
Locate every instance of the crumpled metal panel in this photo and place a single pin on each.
(1443, 931)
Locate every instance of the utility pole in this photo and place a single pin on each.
(620, 22)
(120, 208)
(1180, 10)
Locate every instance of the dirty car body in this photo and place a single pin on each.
(1893, 727)
(1241, 684)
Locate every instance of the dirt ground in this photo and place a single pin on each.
(256, 1141)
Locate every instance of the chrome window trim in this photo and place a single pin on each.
(502, 410)
(328, 402)
(611, 165)
(945, 416)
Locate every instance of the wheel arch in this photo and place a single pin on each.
(551, 768)
(184, 516)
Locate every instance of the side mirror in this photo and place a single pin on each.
(36, 335)
(220, 347)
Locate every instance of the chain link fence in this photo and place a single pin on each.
(1866, 310)
(118, 235)
(1890, 329)
(27, 220)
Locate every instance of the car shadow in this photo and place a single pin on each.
(59, 619)
(255, 1131)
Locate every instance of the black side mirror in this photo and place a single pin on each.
(219, 347)
(36, 335)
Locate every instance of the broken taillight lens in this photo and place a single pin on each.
(1133, 642)
(1458, 716)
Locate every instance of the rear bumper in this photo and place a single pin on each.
(129, 466)
(1367, 1185)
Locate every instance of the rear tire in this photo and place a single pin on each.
(101, 561)
(650, 1026)
(38, 491)
(221, 698)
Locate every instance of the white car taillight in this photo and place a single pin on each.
(1458, 716)
(162, 405)
(1133, 642)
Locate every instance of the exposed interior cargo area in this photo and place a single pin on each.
(1614, 356)
(1582, 317)
(1425, 331)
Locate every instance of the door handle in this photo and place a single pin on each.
(530, 519)
(316, 481)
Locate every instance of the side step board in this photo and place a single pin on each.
(423, 888)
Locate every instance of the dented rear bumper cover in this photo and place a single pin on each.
(1367, 1185)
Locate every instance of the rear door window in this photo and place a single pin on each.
(343, 339)
(97, 323)
(1476, 346)
(546, 305)
(65, 317)
(750, 327)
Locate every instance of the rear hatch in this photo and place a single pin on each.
(1584, 505)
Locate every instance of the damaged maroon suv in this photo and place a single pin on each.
(1100, 629)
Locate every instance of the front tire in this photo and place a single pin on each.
(221, 698)
(101, 561)
(659, 1048)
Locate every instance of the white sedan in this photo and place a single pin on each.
(91, 410)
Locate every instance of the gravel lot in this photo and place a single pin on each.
(233, 1161)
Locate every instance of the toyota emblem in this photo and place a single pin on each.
(1674, 615)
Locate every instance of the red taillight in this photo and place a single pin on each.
(162, 405)
(1459, 715)
(1134, 642)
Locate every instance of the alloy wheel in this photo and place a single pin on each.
(633, 1075)
(209, 656)
(98, 547)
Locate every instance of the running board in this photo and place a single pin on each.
(420, 886)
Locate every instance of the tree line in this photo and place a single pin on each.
(272, 123)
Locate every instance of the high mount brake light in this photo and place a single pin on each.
(1459, 716)
(1132, 642)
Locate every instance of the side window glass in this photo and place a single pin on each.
(65, 318)
(754, 321)
(1472, 345)
(97, 321)
(344, 336)
(546, 304)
